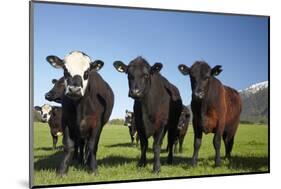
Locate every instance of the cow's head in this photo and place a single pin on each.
(128, 118)
(139, 75)
(76, 66)
(45, 112)
(56, 93)
(200, 74)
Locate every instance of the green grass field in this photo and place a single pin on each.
(117, 159)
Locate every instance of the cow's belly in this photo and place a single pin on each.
(210, 123)
(148, 125)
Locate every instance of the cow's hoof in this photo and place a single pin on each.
(94, 172)
(156, 171)
(61, 173)
(141, 164)
(218, 163)
(193, 163)
(170, 161)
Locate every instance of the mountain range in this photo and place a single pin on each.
(255, 103)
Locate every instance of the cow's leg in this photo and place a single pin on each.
(158, 138)
(132, 137)
(137, 140)
(197, 143)
(75, 154)
(181, 139)
(217, 146)
(81, 151)
(228, 147)
(176, 145)
(144, 146)
(171, 140)
(68, 152)
(55, 141)
(93, 147)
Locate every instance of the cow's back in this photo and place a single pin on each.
(234, 106)
(99, 88)
(171, 89)
(175, 102)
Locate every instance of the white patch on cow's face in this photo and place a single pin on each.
(59, 133)
(45, 112)
(77, 63)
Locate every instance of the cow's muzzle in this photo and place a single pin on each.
(74, 92)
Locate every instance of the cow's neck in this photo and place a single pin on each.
(154, 97)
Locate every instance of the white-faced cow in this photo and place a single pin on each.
(130, 122)
(87, 105)
(216, 108)
(157, 106)
(52, 116)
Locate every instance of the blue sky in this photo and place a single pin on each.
(238, 43)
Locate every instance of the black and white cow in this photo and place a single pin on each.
(51, 115)
(130, 122)
(157, 106)
(87, 105)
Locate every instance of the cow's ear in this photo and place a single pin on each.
(54, 81)
(156, 68)
(96, 65)
(120, 66)
(216, 70)
(37, 108)
(184, 69)
(55, 61)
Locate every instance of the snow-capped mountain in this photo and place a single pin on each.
(255, 103)
(255, 88)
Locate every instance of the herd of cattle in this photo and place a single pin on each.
(87, 102)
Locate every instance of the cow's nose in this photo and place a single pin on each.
(74, 89)
(199, 94)
(48, 95)
(136, 92)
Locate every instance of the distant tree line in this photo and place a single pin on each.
(36, 116)
(116, 122)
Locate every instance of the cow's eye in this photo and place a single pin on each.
(86, 75)
(146, 76)
(206, 78)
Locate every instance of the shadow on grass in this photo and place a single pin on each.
(253, 164)
(49, 148)
(127, 144)
(250, 164)
(48, 162)
(51, 162)
(113, 160)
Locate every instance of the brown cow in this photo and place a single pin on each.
(216, 108)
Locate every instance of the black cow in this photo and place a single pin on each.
(57, 92)
(182, 128)
(216, 108)
(130, 122)
(52, 115)
(157, 106)
(87, 105)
